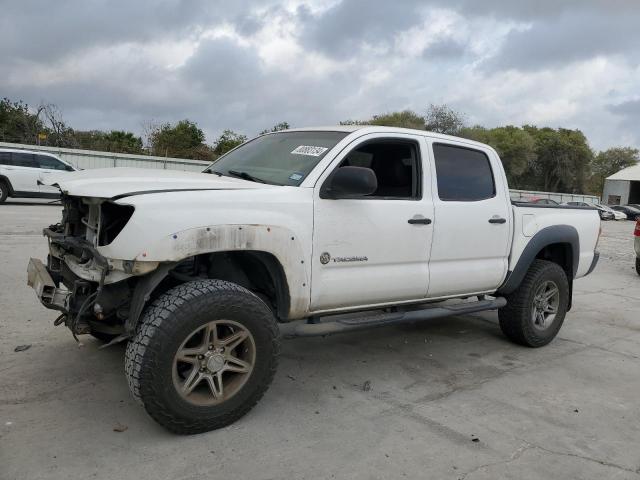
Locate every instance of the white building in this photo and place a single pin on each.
(622, 187)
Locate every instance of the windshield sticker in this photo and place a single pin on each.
(309, 150)
(296, 176)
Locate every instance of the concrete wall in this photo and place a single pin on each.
(87, 159)
(616, 188)
(527, 195)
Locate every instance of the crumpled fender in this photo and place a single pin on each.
(276, 240)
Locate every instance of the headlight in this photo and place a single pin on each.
(113, 218)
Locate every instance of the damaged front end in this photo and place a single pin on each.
(92, 292)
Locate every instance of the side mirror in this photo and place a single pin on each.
(350, 182)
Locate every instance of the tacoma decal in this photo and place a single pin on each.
(326, 258)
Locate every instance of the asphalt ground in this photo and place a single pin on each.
(447, 398)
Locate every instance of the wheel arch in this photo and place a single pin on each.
(4, 179)
(256, 270)
(558, 243)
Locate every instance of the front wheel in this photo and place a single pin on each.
(638, 265)
(535, 311)
(203, 355)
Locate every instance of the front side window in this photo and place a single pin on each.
(45, 161)
(396, 164)
(5, 158)
(280, 159)
(464, 174)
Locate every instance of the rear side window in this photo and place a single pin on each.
(464, 174)
(5, 158)
(24, 160)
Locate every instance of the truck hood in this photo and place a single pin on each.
(121, 182)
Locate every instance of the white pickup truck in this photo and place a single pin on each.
(298, 233)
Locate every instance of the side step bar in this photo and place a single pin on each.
(305, 328)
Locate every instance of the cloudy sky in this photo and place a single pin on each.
(247, 65)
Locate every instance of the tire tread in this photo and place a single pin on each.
(514, 317)
(146, 347)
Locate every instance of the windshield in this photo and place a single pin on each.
(281, 158)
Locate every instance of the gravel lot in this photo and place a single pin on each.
(449, 398)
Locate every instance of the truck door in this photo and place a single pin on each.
(374, 249)
(473, 224)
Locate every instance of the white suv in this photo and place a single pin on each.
(22, 171)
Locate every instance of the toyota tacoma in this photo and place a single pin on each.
(299, 233)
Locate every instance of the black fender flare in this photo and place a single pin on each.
(147, 284)
(545, 237)
(142, 294)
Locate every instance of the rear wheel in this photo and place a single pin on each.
(4, 191)
(203, 355)
(535, 311)
(638, 265)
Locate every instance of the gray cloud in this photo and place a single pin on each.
(349, 24)
(630, 108)
(569, 37)
(325, 63)
(33, 30)
(445, 49)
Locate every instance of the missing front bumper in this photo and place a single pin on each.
(40, 280)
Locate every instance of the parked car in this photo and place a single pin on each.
(604, 214)
(616, 214)
(544, 201)
(629, 211)
(22, 173)
(636, 244)
(203, 272)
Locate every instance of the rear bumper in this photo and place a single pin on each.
(39, 278)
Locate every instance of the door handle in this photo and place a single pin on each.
(419, 221)
(497, 220)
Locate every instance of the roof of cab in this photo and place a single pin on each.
(381, 129)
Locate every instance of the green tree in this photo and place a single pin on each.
(183, 140)
(516, 147)
(56, 130)
(563, 160)
(17, 123)
(117, 141)
(443, 119)
(228, 140)
(403, 119)
(610, 161)
(277, 128)
(123, 142)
